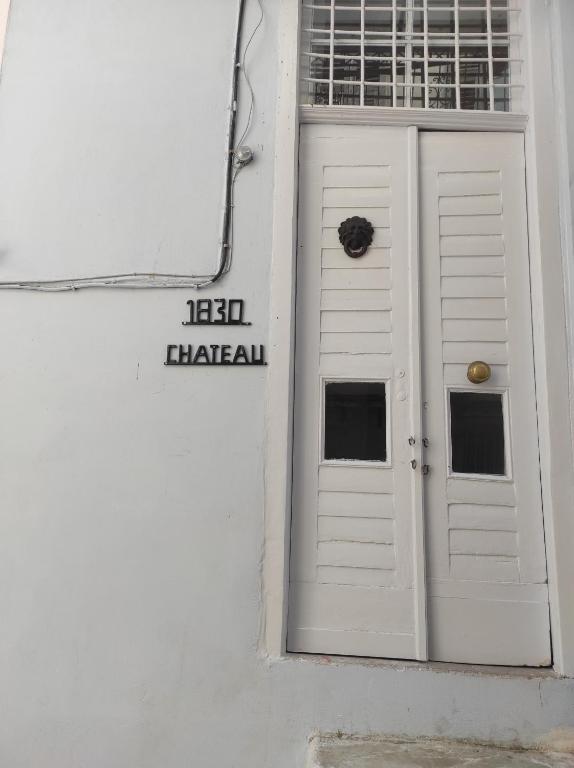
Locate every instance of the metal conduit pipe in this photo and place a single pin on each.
(226, 245)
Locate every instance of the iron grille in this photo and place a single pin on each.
(431, 54)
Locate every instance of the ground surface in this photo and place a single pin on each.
(333, 752)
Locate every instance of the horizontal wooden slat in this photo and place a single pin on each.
(356, 479)
(356, 279)
(352, 300)
(339, 364)
(379, 217)
(470, 205)
(330, 238)
(455, 374)
(473, 287)
(374, 258)
(385, 645)
(376, 505)
(458, 184)
(356, 176)
(494, 568)
(483, 590)
(462, 542)
(356, 555)
(471, 225)
(359, 529)
(471, 245)
(474, 308)
(482, 517)
(499, 492)
(492, 352)
(357, 343)
(357, 577)
(350, 322)
(461, 266)
(340, 197)
(474, 330)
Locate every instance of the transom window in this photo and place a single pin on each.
(430, 54)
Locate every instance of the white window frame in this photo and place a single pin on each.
(323, 381)
(544, 182)
(508, 476)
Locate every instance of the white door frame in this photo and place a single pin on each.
(551, 349)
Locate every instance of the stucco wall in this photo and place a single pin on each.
(564, 64)
(131, 494)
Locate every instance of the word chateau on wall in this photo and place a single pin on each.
(215, 312)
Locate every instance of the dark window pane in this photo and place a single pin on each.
(355, 421)
(378, 97)
(477, 433)
(346, 94)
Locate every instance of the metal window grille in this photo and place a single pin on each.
(430, 54)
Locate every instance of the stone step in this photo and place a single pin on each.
(333, 751)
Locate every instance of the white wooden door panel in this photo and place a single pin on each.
(507, 632)
(356, 343)
(352, 366)
(354, 642)
(379, 217)
(337, 528)
(356, 279)
(352, 588)
(338, 259)
(367, 505)
(460, 266)
(446, 290)
(470, 205)
(353, 322)
(349, 300)
(488, 601)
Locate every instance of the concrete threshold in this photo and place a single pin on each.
(335, 751)
(449, 667)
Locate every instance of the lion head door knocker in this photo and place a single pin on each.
(355, 235)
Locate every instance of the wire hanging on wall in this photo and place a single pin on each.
(237, 157)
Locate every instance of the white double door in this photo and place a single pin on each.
(416, 521)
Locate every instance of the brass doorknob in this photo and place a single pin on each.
(478, 372)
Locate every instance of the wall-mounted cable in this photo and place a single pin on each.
(237, 157)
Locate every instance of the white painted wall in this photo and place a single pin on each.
(562, 15)
(4, 9)
(563, 18)
(131, 494)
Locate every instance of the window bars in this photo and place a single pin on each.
(430, 54)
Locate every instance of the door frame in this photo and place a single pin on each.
(553, 350)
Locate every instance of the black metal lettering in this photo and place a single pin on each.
(201, 356)
(214, 348)
(204, 309)
(191, 320)
(221, 311)
(258, 360)
(235, 317)
(185, 354)
(169, 359)
(226, 354)
(240, 357)
(216, 312)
